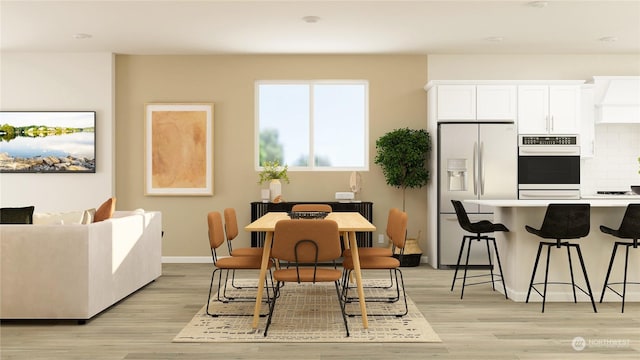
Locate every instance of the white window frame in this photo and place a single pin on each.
(311, 83)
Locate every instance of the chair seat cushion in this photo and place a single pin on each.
(369, 251)
(306, 274)
(618, 233)
(486, 226)
(241, 262)
(373, 262)
(247, 252)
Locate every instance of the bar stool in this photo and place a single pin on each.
(478, 228)
(629, 229)
(562, 221)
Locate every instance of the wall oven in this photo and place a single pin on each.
(548, 167)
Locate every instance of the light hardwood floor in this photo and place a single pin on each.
(481, 326)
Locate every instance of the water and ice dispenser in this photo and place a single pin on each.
(457, 174)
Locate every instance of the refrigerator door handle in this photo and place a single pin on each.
(475, 168)
(481, 167)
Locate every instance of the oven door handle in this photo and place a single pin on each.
(537, 151)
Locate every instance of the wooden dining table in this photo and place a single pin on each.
(348, 224)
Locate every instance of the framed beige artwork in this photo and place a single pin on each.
(179, 149)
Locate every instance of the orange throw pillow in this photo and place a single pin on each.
(105, 211)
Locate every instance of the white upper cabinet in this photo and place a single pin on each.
(549, 109)
(456, 102)
(481, 103)
(496, 102)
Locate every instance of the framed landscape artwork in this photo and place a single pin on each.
(179, 149)
(47, 141)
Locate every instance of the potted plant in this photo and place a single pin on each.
(402, 154)
(272, 172)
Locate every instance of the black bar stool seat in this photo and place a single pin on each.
(562, 221)
(478, 229)
(629, 229)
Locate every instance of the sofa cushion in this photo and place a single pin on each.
(88, 216)
(21, 215)
(58, 218)
(105, 211)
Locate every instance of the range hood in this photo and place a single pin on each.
(617, 99)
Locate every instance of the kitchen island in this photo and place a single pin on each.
(518, 250)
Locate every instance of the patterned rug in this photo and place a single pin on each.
(308, 313)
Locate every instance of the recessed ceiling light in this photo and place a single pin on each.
(608, 39)
(494, 39)
(80, 36)
(311, 19)
(538, 4)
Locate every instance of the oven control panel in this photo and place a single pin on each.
(548, 140)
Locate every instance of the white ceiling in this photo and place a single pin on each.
(354, 27)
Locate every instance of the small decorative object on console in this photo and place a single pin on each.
(308, 214)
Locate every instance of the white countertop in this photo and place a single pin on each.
(595, 202)
(603, 196)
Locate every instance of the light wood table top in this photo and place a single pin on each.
(347, 221)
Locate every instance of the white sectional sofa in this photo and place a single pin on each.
(77, 271)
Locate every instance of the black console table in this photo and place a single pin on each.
(365, 208)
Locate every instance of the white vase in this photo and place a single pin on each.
(275, 188)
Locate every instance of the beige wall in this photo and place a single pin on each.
(396, 99)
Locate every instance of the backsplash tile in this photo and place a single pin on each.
(615, 164)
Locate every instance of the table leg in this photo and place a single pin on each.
(356, 270)
(263, 274)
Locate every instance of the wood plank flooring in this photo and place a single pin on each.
(481, 326)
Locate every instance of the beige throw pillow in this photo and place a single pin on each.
(58, 218)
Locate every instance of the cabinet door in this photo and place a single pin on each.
(533, 109)
(496, 102)
(564, 109)
(456, 102)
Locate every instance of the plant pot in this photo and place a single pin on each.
(412, 253)
(275, 188)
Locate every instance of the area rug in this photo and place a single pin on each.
(308, 313)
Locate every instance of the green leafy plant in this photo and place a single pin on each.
(639, 164)
(402, 154)
(272, 170)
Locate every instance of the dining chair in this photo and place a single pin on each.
(629, 229)
(226, 264)
(380, 251)
(231, 233)
(562, 222)
(305, 244)
(398, 233)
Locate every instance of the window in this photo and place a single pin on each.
(313, 125)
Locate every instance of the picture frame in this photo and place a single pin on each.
(48, 142)
(179, 149)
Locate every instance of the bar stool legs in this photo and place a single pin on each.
(624, 282)
(559, 245)
(487, 239)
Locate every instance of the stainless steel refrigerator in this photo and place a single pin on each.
(475, 161)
